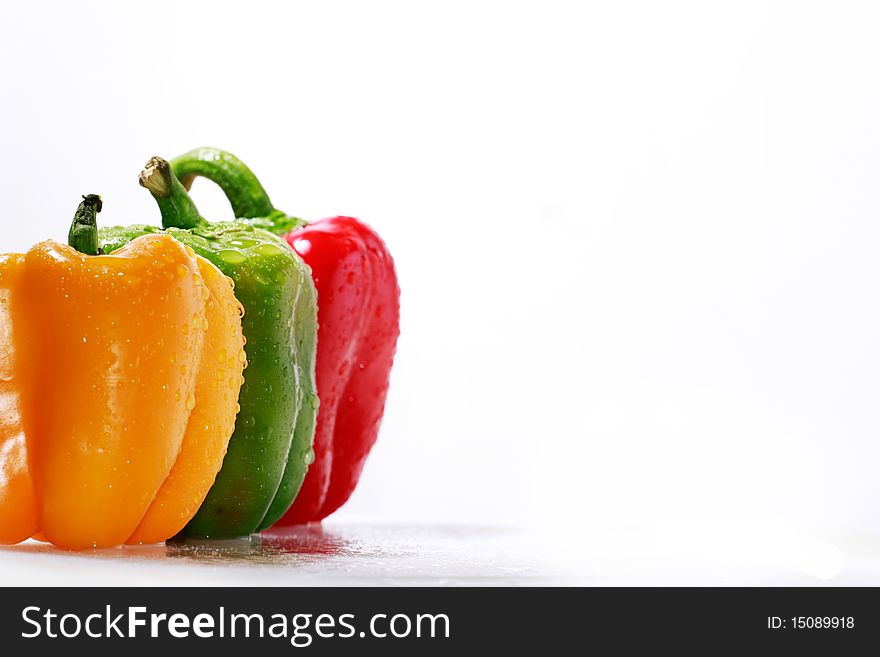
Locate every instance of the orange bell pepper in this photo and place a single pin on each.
(117, 398)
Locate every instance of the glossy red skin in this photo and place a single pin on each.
(358, 325)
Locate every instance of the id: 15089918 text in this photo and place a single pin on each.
(811, 623)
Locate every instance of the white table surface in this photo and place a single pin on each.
(353, 554)
(333, 555)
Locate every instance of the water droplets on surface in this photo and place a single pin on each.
(261, 278)
(232, 256)
(269, 249)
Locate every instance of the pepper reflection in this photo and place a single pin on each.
(305, 541)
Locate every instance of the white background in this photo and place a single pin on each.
(636, 241)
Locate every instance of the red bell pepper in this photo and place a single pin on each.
(358, 325)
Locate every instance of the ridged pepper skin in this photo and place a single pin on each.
(212, 419)
(358, 320)
(271, 448)
(106, 387)
(19, 507)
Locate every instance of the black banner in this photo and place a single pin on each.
(437, 621)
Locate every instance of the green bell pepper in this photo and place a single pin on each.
(271, 448)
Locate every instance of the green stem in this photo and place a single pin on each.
(83, 235)
(177, 208)
(245, 193)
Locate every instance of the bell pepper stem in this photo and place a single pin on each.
(83, 235)
(244, 191)
(246, 195)
(177, 207)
